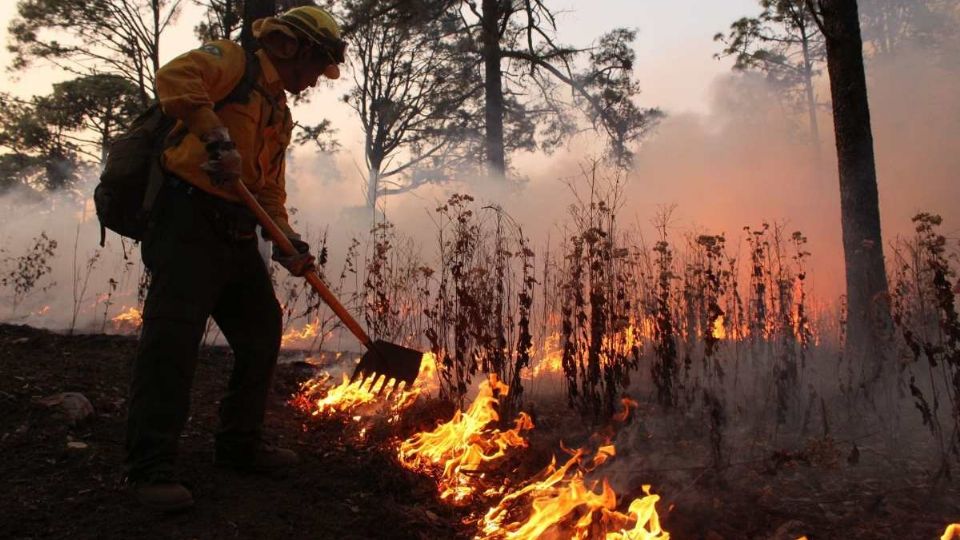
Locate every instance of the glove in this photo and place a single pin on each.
(223, 165)
(298, 264)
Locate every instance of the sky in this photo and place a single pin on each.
(668, 37)
(675, 63)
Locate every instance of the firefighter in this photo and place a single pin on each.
(202, 251)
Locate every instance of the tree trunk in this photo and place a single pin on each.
(808, 90)
(155, 50)
(867, 293)
(253, 10)
(374, 166)
(493, 89)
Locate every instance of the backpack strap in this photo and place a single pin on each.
(248, 83)
(240, 94)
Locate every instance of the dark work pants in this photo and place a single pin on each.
(199, 268)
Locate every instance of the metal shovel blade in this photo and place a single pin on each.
(388, 360)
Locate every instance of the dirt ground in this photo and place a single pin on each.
(63, 481)
(50, 490)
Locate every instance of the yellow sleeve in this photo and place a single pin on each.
(189, 85)
(273, 198)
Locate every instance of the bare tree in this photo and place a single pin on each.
(783, 42)
(94, 109)
(222, 19)
(408, 93)
(520, 56)
(890, 24)
(121, 37)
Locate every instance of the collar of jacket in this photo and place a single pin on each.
(271, 78)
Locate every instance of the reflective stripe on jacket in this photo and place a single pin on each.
(187, 88)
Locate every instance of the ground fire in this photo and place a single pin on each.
(128, 321)
(458, 451)
(561, 494)
(464, 453)
(322, 395)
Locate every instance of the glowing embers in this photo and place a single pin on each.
(128, 321)
(952, 532)
(320, 396)
(458, 451)
(560, 501)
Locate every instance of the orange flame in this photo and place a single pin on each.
(952, 532)
(557, 496)
(628, 406)
(319, 398)
(339, 399)
(549, 360)
(428, 382)
(719, 331)
(462, 446)
(129, 320)
(298, 337)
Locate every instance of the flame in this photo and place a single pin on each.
(319, 398)
(719, 331)
(549, 365)
(952, 532)
(296, 337)
(620, 341)
(550, 359)
(129, 320)
(628, 406)
(428, 382)
(338, 399)
(42, 311)
(462, 446)
(559, 498)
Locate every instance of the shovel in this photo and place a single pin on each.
(389, 361)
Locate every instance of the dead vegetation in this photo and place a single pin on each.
(739, 372)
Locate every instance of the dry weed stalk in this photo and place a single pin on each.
(479, 317)
(599, 341)
(925, 313)
(26, 272)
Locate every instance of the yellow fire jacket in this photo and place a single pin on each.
(187, 88)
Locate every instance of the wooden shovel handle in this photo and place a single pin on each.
(286, 247)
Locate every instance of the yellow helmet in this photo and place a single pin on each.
(312, 23)
(318, 26)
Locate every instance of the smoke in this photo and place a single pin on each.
(84, 282)
(748, 161)
(743, 163)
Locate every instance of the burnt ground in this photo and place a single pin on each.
(48, 490)
(63, 481)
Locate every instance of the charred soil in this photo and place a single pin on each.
(64, 480)
(52, 488)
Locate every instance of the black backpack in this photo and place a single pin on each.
(132, 176)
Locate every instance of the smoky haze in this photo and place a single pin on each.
(745, 162)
